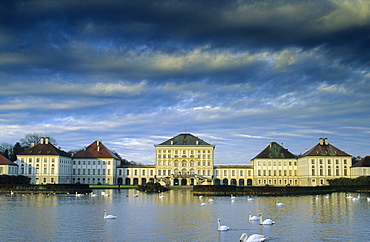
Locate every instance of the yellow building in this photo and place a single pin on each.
(276, 166)
(95, 164)
(361, 168)
(44, 163)
(233, 175)
(7, 167)
(324, 161)
(135, 174)
(184, 160)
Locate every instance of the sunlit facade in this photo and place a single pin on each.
(45, 164)
(186, 160)
(95, 164)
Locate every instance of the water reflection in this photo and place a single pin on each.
(179, 216)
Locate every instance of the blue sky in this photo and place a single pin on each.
(238, 73)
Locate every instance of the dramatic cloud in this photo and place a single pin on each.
(238, 73)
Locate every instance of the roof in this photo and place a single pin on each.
(325, 149)
(45, 149)
(184, 139)
(275, 151)
(95, 150)
(364, 162)
(6, 161)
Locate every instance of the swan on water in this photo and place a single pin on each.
(221, 227)
(250, 199)
(280, 204)
(203, 204)
(252, 218)
(200, 197)
(211, 200)
(108, 216)
(136, 195)
(253, 238)
(161, 196)
(266, 221)
(368, 199)
(78, 195)
(232, 197)
(103, 193)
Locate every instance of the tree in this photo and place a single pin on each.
(35, 138)
(6, 150)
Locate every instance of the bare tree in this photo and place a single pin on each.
(6, 150)
(35, 138)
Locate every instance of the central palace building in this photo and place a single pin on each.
(186, 160)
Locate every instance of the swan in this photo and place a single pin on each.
(252, 218)
(253, 238)
(109, 216)
(161, 196)
(103, 193)
(266, 221)
(203, 204)
(250, 199)
(280, 204)
(136, 195)
(78, 195)
(200, 197)
(221, 227)
(93, 194)
(211, 200)
(11, 193)
(232, 197)
(368, 199)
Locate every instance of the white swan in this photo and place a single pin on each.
(250, 199)
(78, 194)
(368, 199)
(266, 221)
(211, 200)
(232, 197)
(103, 193)
(93, 194)
(280, 204)
(253, 238)
(136, 195)
(252, 218)
(221, 227)
(161, 196)
(11, 193)
(109, 216)
(203, 204)
(200, 197)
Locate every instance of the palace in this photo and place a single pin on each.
(185, 160)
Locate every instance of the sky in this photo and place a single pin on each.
(136, 73)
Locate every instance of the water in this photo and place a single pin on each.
(180, 217)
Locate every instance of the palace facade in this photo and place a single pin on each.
(186, 160)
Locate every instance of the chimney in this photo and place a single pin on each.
(270, 144)
(196, 142)
(321, 141)
(171, 142)
(42, 140)
(32, 144)
(210, 142)
(97, 143)
(47, 140)
(326, 141)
